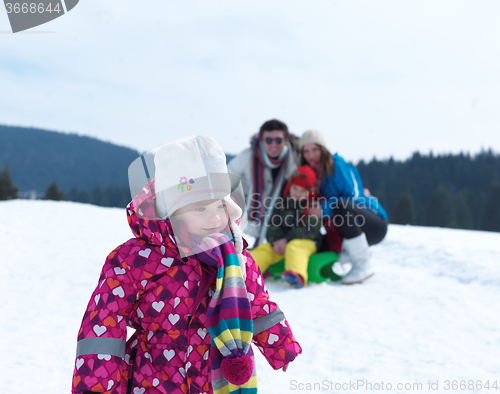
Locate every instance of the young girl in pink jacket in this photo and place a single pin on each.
(185, 283)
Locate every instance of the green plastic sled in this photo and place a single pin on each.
(319, 268)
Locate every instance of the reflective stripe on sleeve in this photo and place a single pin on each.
(262, 323)
(356, 187)
(111, 346)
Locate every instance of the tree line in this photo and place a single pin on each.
(37, 157)
(111, 196)
(457, 191)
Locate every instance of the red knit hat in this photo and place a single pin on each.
(304, 177)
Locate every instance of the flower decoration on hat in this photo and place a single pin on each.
(184, 181)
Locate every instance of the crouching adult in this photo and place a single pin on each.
(345, 206)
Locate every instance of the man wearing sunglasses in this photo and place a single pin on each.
(263, 169)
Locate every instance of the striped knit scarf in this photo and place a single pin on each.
(229, 319)
(260, 161)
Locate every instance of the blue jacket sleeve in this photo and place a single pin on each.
(346, 184)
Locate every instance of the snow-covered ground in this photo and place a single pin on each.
(431, 312)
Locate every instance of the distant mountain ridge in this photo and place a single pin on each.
(37, 157)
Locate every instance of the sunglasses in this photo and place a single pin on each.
(270, 140)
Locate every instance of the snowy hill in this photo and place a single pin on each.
(431, 312)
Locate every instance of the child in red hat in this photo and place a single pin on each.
(292, 232)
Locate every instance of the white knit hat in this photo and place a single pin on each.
(187, 171)
(312, 137)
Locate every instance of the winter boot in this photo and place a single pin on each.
(343, 265)
(293, 279)
(359, 256)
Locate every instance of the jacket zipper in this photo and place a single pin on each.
(131, 378)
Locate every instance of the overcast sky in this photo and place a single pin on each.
(378, 78)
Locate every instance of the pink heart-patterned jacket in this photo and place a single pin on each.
(145, 284)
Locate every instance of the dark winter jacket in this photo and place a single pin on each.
(288, 221)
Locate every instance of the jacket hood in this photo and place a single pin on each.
(141, 216)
